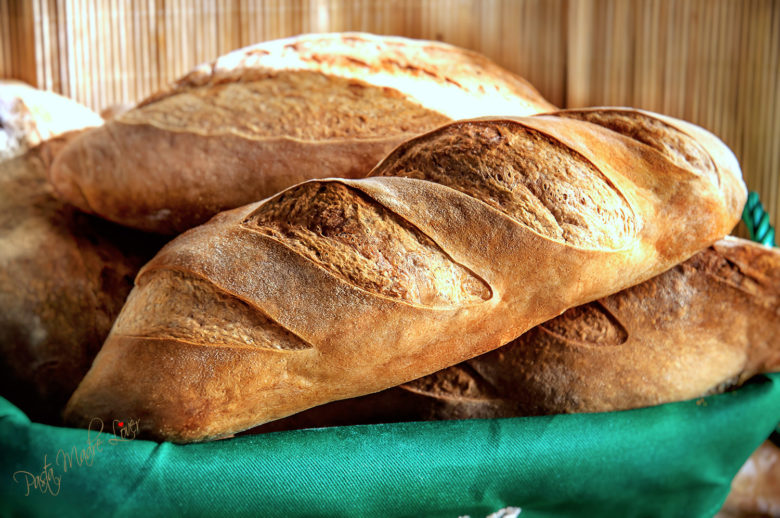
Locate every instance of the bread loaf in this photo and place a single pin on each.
(263, 118)
(702, 327)
(29, 116)
(64, 276)
(336, 288)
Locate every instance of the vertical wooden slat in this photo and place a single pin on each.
(5, 40)
(770, 142)
(248, 18)
(99, 17)
(52, 24)
(93, 71)
(26, 34)
(169, 6)
(579, 64)
(41, 51)
(159, 35)
(86, 79)
(76, 30)
(63, 54)
(769, 87)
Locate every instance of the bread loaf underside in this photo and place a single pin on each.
(701, 327)
(337, 288)
(269, 116)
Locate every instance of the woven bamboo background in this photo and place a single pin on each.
(712, 62)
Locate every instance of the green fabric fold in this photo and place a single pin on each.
(670, 460)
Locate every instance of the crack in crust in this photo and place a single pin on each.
(525, 174)
(174, 305)
(357, 239)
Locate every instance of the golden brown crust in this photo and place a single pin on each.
(555, 191)
(702, 327)
(266, 117)
(682, 149)
(451, 80)
(161, 199)
(360, 241)
(363, 341)
(298, 104)
(179, 307)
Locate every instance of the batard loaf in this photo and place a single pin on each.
(266, 117)
(701, 327)
(461, 240)
(64, 276)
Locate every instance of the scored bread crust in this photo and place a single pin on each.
(702, 327)
(271, 115)
(537, 215)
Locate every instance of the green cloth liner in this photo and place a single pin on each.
(756, 220)
(669, 460)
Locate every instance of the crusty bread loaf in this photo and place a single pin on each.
(29, 116)
(702, 327)
(63, 279)
(336, 288)
(266, 117)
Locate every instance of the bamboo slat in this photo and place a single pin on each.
(18, 45)
(713, 62)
